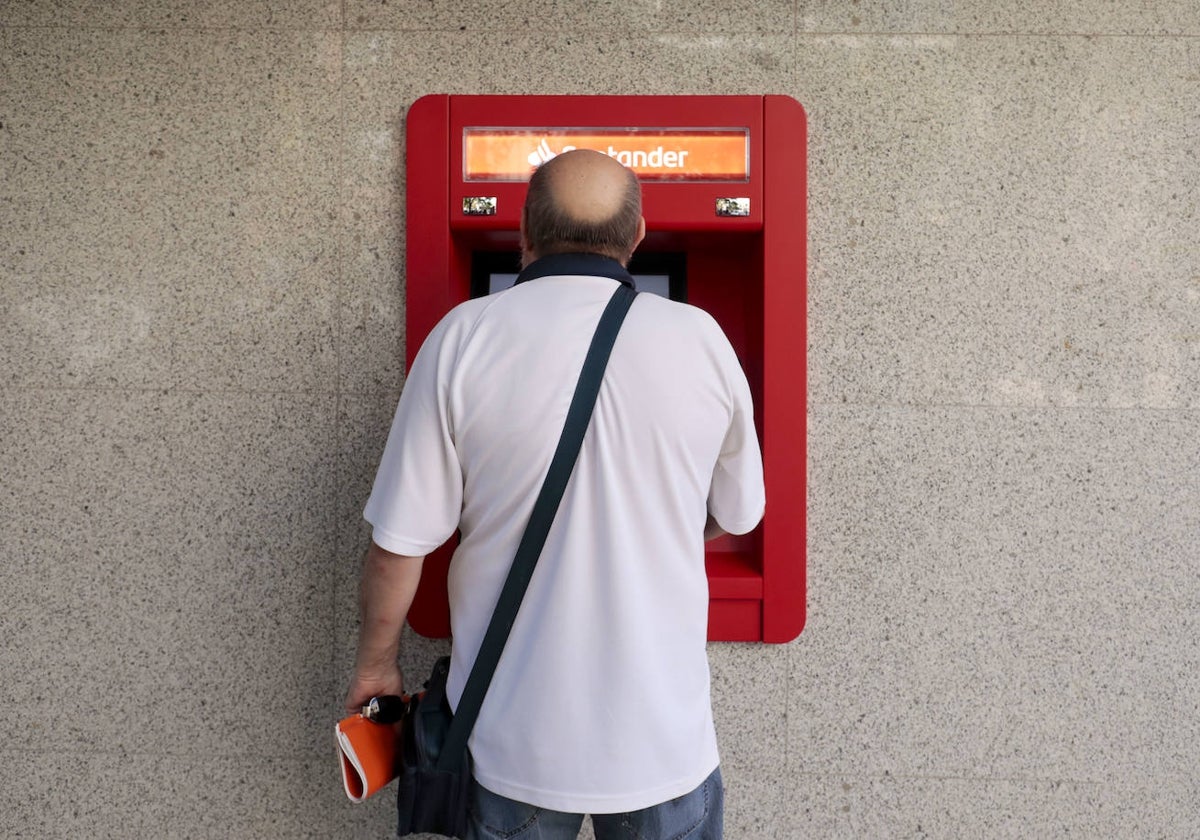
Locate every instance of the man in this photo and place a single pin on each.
(600, 704)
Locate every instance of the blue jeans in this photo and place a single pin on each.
(698, 815)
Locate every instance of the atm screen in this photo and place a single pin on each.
(659, 273)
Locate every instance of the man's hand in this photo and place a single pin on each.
(366, 685)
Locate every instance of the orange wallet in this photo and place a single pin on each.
(368, 755)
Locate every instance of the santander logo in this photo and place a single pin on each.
(542, 153)
(655, 158)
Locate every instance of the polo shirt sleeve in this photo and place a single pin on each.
(736, 497)
(417, 497)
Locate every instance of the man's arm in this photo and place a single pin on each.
(389, 582)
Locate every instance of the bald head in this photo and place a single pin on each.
(582, 201)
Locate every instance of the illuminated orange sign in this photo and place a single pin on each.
(655, 154)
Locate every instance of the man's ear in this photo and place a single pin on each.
(526, 255)
(641, 234)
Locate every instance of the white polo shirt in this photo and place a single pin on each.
(600, 703)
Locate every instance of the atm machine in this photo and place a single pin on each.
(724, 183)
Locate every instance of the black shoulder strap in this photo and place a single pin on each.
(544, 509)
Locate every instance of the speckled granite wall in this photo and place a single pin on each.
(201, 295)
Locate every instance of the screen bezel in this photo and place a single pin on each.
(671, 263)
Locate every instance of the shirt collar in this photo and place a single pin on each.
(591, 265)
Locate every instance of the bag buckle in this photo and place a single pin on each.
(386, 709)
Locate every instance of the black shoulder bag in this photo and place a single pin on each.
(435, 764)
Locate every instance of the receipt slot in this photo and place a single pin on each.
(724, 196)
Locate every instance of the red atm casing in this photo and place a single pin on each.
(748, 271)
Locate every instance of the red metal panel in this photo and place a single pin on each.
(426, 209)
(427, 297)
(667, 206)
(785, 377)
(748, 272)
(732, 620)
